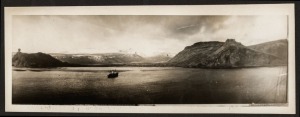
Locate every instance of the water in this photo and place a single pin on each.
(149, 85)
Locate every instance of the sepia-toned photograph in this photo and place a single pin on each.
(150, 60)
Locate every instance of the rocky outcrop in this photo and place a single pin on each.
(229, 54)
(36, 60)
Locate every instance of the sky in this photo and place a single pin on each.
(145, 35)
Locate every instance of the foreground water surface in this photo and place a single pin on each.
(149, 85)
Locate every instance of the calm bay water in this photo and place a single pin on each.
(149, 85)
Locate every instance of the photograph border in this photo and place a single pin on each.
(287, 9)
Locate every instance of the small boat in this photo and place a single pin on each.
(113, 74)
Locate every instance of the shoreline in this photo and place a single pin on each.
(20, 68)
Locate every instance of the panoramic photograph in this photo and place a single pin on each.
(149, 59)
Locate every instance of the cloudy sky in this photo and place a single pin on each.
(146, 35)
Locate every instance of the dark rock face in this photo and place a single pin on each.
(112, 58)
(37, 60)
(227, 54)
(197, 53)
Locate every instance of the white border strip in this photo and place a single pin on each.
(261, 9)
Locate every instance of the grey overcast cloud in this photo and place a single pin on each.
(146, 35)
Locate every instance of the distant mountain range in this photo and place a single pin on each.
(160, 58)
(231, 54)
(213, 54)
(92, 59)
(64, 60)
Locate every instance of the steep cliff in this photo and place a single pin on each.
(227, 54)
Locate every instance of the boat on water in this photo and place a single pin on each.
(113, 74)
